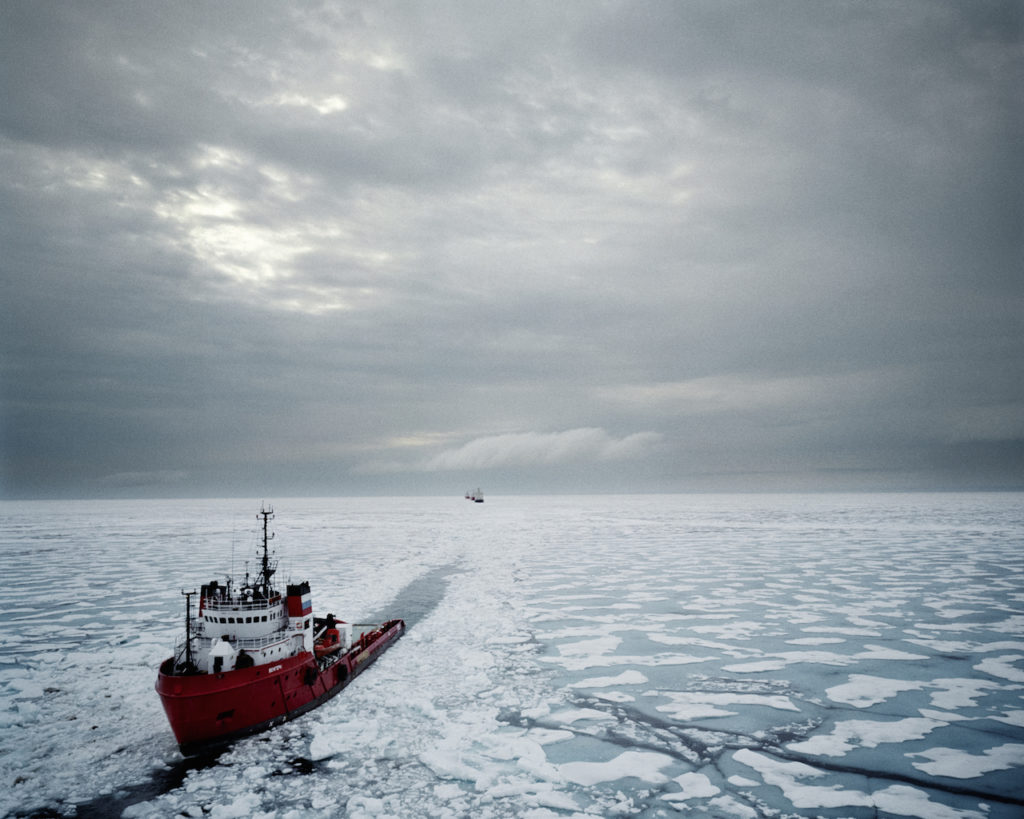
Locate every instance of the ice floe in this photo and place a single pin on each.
(850, 734)
(645, 765)
(792, 777)
(865, 690)
(631, 677)
(959, 764)
(692, 786)
(1011, 718)
(1005, 666)
(688, 705)
(795, 780)
(953, 693)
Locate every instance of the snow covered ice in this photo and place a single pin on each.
(724, 656)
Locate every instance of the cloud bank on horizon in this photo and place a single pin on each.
(525, 449)
(256, 248)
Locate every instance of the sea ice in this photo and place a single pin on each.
(614, 696)
(756, 667)
(902, 800)
(1014, 624)
(942, 716)
(489, 706)
(583, 662)
(690, 705)
(692, 786)
(874, 652)
(1011, 718)
(587, 648)
(868, 733)
(549, 736)
(1004, 666)
(728, 805)
(573, 715)
(815, 641)
(853, 632)
(790, 776)
(643, 765)
(632, 677)
(865, 690)
(958, 764)
(737, 630)
(959, 692)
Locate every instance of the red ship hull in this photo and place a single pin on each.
(206, 710)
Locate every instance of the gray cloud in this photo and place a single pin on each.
(267, 246)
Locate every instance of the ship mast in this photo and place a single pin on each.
(266, 569)
(189, 658)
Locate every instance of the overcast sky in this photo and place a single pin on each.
(266, 249)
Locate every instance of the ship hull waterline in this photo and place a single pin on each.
(210, 710)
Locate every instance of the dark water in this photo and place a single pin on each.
(419, 598)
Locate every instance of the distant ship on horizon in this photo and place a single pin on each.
(476, 497)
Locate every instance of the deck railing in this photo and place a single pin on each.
(239, 604)
(249, 644)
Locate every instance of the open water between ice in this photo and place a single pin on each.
(722, 656)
